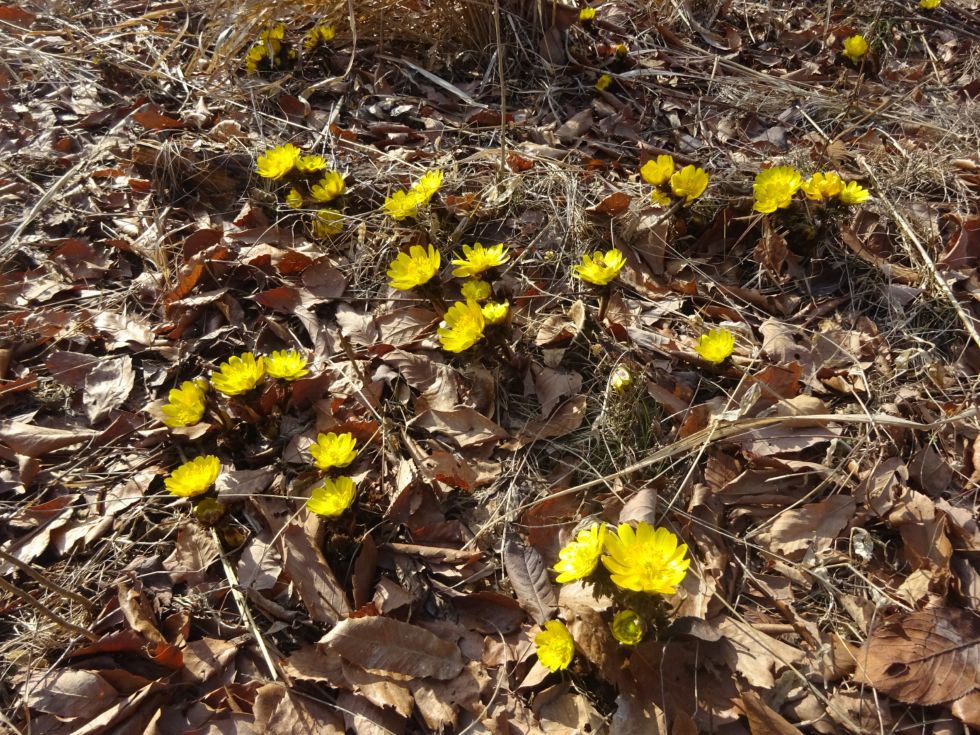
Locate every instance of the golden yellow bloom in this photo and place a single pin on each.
(333, 497)
(414, 268)
(402, 204)
(689, 182)
(621, 379)
(475, 290)
(194, 477)
(645, 560)
(255, 56)
(334, 450)
(555, 646)
(427, 186)
(310, 164)
(822, 186)
(476, 259)
(294, 199)
(586, 14)
(657, 171)
(330, 187)
(853, 193)
(186, 403)
(929, 4)
(316, 36)
(628, 628)
(494, 313)
(239, 375)
(603, 82)
(716, 346)
(286, 364)
(774, 188)
(327, 223)
(579, 558)
(621, 49)
(659, 198)
(462, 327)
(276, 33)
(276, 163)
(600, 268)
(855, 47)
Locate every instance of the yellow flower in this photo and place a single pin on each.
(476, 259)
(716, 346)
(209, 511)
(276, 33)
(194, 477)
(333, 497)
(413, 268)
(853, 193)
(334, 450)
(658, 171)
(822, 186)
(475, 290)
(402, 204)
(310, 164)
(929, 4)
(186, 406)
(462, 327)
(316, 36)
(586, 14)
(276, 163)
(494, 313)
(855, 47)
(239, 375)
(255, 56)
(659, 198)
(427, 186)
(645, 560)
(330, 187)
(286, 364)
(294, 199)
(603, 82)
(600, 268)
(689, 182)
(628, 628)
(774, 188)
(327, 222)
(621, 379)
(579, 558)
(621, 49)
(555, 646)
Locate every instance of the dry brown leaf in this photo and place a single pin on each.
(813, 527)
(280, 710)
(465, 426)
(71, 693)
(378, 689)
(364, 718)
(763, 719)
(194, 551)
(758, 657)
(552, 386)
(528, 575)
(967, 709)
(560, 329)
(306, 565)
(390, 645)
(927, 657)
(641, 507)
(36, 441)
(566, 419)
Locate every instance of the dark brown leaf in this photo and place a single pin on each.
(528, 575)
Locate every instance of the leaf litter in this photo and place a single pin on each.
(823, 475)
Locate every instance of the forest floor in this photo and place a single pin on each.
(824, 476)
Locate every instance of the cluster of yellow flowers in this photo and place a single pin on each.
(403, 204)
(689, 183)
(289, 162)
(272, 52)
(645, 559)
(336, 494)
(775, 188)
(187, 404)
(465, 321)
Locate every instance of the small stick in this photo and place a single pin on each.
(503, 90)
(53, 617)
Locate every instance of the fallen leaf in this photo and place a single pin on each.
(528, 575)
(107, 385)
(813, 527)
(925, 658)
(36, 441)
(71, 693)
(391, 645)
(763, 719)
(316, 584)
